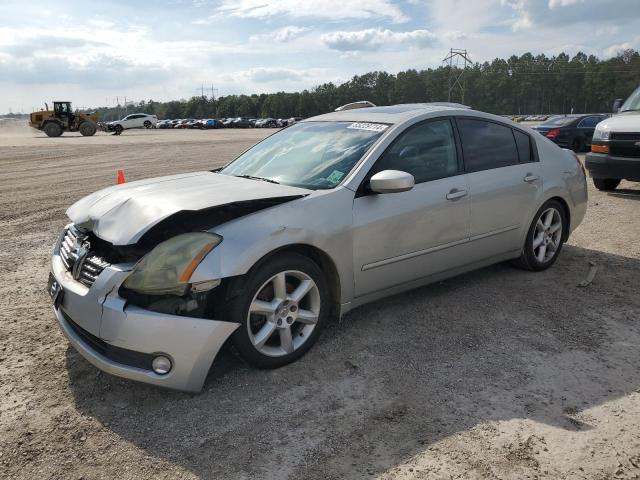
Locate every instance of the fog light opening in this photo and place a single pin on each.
(161, 365)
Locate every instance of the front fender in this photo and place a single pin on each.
(322, 220)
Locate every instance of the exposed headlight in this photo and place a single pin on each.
(601, 134)
(167, 268)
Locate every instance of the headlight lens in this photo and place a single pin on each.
(167, 269)
(601, 134)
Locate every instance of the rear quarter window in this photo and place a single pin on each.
(523, 142)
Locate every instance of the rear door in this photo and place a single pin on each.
(504, 184)
(401, 237)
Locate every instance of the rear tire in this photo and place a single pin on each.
(577, 145)
(545, 238)
(52, 129)
(279, 318)
(606, 184)
(87, 129)
(147, 124)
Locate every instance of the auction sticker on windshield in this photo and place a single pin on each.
(372, 127)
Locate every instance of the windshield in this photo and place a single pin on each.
(632, 103)
(558, 121)
(314, 155)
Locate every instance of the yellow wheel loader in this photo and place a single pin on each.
(63, 119)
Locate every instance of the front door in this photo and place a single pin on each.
(401, 237)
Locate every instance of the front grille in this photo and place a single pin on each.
(77, 257)
(113, 353)
(624, 150)
(628, 136)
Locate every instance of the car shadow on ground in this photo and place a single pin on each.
(632, 194)
(394, 377)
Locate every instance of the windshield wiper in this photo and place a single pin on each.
(252, 177)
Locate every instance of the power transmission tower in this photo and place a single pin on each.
(457, 61)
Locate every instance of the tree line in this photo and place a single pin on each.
(525, 84)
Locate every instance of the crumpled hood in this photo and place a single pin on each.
(621, 122)
(123, 213)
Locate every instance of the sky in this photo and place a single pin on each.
(97, 53)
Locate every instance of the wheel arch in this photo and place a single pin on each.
(567, 215)
(317, 255)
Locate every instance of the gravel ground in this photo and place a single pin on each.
(499, 373)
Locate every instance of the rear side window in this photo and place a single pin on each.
(524, 146)
(486, 145)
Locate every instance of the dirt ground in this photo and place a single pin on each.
(499, 373)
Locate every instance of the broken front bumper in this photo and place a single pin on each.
(123, 340)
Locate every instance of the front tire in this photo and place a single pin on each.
(545, 238)
(282, 310)
(606, 184)
(87, 129)
(52, 129)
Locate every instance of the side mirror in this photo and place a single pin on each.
(391, 181)
(617, 103)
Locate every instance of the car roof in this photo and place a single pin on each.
(389, 114)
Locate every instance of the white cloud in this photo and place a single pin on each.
(327, 9)
(376, 38)
(282, 35)
(562, 3)
(275, 76)
(523, 19)
(272, 74)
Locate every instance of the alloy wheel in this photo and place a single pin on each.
(547, 236)
(283, 313)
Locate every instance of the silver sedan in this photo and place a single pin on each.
(151, 278)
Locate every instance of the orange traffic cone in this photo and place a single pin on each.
(120, 178)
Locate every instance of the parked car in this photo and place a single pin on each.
(615, 150)
(163, 124)
(228, 122)
(135, 120)
(241, 122)
(183, 123)
(266, 123)
(212, 123)
(571, 131)
(152, 277)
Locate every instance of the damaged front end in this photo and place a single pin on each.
(163, 260)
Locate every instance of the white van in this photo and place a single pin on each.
(615, 148)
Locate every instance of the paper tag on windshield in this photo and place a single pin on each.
(335, 177)
(372, 127)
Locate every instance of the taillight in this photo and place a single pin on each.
(553, 133)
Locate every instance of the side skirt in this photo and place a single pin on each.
(370, 297)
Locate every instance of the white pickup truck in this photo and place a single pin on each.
(615, 147)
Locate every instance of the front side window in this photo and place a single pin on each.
(314, 155)
(486, 145)
(427, 151)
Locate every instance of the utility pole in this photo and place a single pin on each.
(457, 61)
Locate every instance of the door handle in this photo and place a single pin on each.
(531, 178)
(455, 193)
